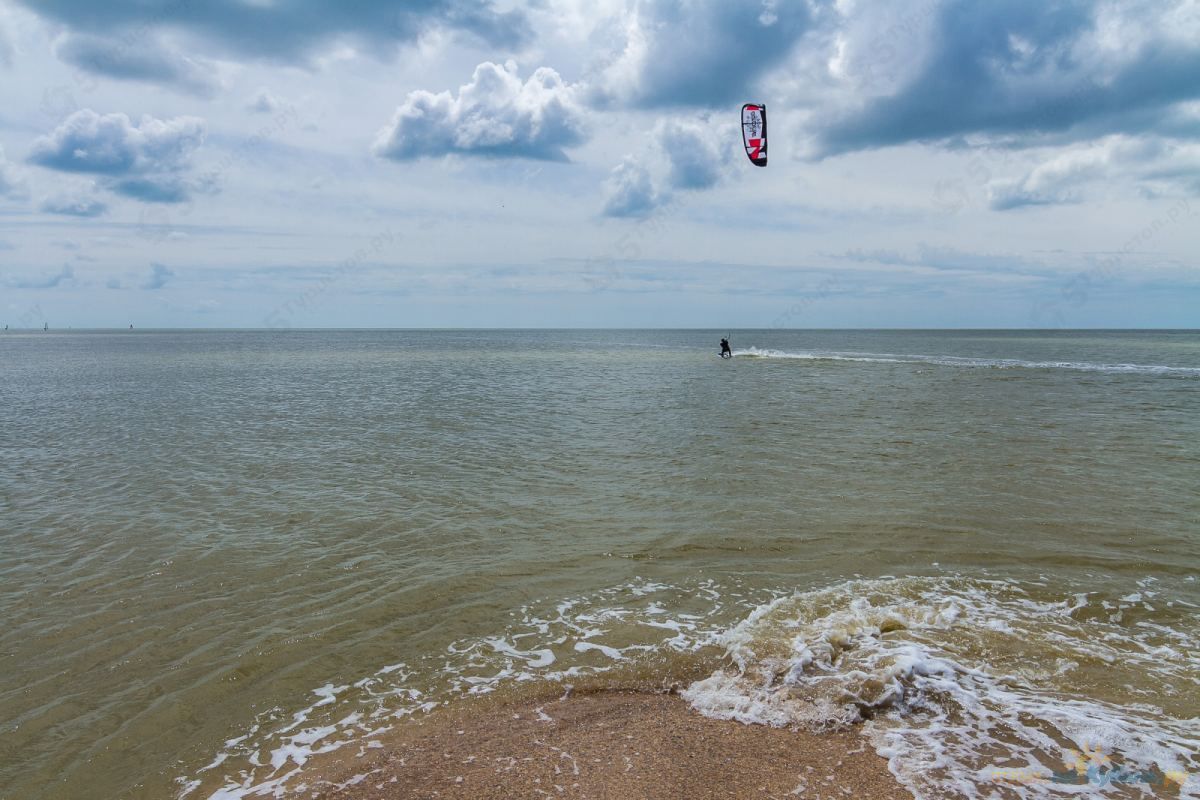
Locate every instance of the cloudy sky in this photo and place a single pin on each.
(306, 163)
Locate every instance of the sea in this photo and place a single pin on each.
(226, 553)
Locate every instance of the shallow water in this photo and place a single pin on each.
(223, 551)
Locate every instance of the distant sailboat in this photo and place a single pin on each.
(45, 327)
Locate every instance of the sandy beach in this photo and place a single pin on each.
(612, 746)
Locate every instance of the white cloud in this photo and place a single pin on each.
(110, 144)
(695, 151)
(1156, 166)
(263, 102)
(1019, 73)
(703, 53)
(66, 275)
(495, 115)
(6, 49)
(78, 203)
(12, 183)
(1053, 182)
(862, 67)
(159, 275)
(693, 155)
(290, 32)
(631, 192)
(144, 161)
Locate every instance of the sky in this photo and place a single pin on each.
(579, 163)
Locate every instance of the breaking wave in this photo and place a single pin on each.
(969, 687)
(976, 688)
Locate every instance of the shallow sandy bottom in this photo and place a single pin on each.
(612, 745)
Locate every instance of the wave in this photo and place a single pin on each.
(963, 361)
(969, 687)
(557, 642)
(975, 688)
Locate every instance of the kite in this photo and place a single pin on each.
(754, 132)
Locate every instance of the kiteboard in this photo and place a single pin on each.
(754, 133)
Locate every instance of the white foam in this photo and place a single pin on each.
(638, 617)
(943, 675)
(536, 659)
(968, 362)
(611, 652)
(956, 679)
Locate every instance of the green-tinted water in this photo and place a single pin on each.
(199, 530)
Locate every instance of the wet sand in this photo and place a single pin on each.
(611, 746)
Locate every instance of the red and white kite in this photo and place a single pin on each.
(754, 132)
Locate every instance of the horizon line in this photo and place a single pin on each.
(579, 328)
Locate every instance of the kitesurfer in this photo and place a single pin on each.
(726, 352)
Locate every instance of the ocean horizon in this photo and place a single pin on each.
(234, 557)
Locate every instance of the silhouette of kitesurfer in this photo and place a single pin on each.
(726, 352)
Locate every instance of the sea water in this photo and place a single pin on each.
(223, 553)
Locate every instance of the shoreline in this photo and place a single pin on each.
(615, 745)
